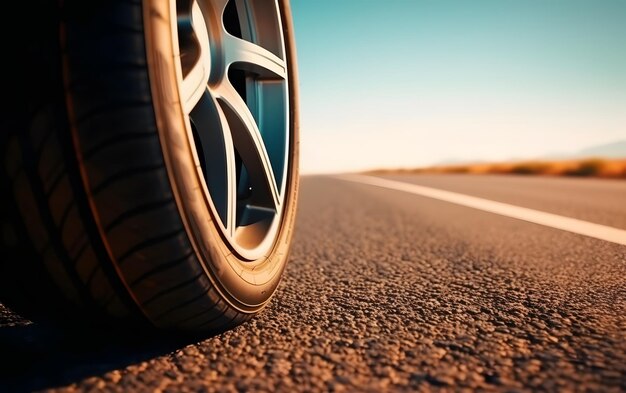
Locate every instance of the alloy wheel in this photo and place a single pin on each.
(234, 93)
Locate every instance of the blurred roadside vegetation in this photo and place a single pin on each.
(591, 167)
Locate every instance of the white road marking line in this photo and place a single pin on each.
(573, 225)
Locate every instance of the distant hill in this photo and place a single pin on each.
(607, 160)
(608, 150)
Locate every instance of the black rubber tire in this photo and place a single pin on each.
(93, 224)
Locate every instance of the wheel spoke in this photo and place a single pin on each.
(231, 174)
(251, 57)
(197, 76)
(219, 5)
(249, 144)
(212, 128)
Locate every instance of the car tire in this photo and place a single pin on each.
(150, 163)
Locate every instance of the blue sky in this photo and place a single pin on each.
(402, 83)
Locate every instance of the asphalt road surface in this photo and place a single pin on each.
(390, 291)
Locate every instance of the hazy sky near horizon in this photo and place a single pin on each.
(402, 83)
